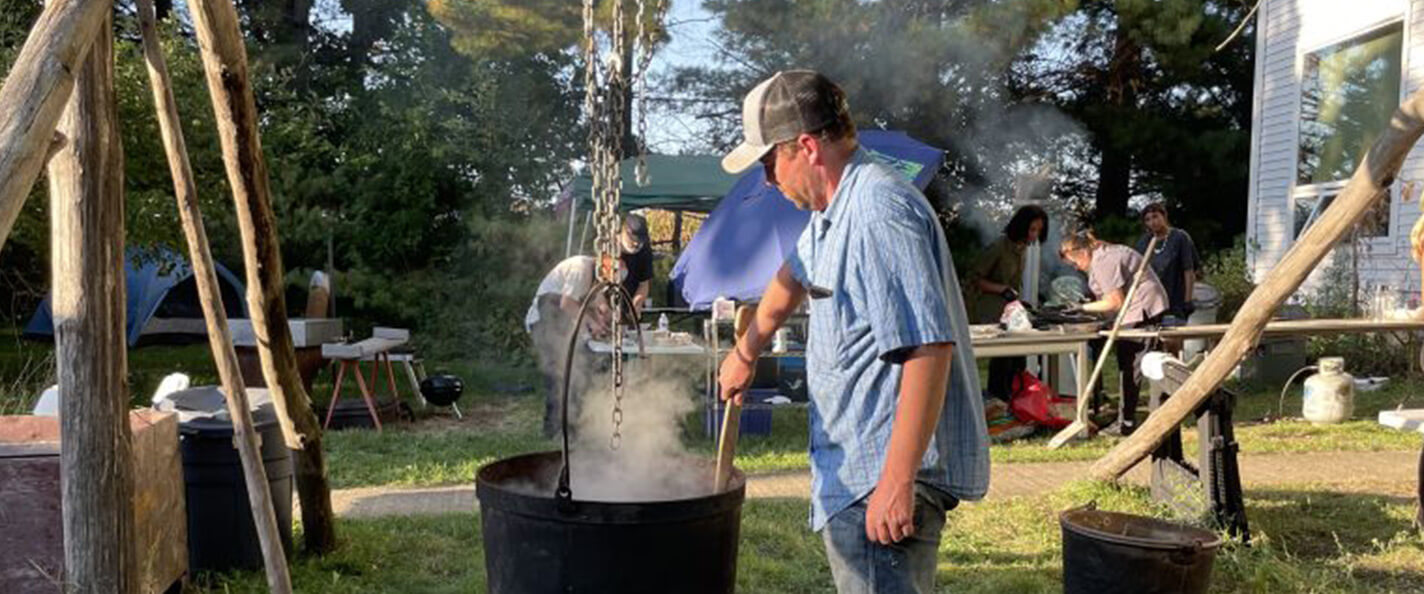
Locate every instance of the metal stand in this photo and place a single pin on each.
(1213, 488)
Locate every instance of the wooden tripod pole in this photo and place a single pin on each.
(86, 181)
(1371, 180)
(229, 86)
(732, 415)
(35, 92)
(205, 276)
(1081, 422)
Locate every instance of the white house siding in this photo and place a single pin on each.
(1287, 30)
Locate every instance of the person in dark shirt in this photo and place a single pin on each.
(637, 259)
(994, 283)
(1174, 259)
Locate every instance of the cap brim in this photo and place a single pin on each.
(744, 156)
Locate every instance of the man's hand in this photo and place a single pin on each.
(890, 511)
(735, 375)
(1009, 294)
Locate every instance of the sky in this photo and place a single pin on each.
(692, 31)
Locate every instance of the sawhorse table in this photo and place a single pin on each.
(1213, 486)
(348, 356)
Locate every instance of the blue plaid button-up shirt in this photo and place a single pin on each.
(880, 283)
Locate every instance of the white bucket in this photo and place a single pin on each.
(1207, 300)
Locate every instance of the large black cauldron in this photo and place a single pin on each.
(535, 542)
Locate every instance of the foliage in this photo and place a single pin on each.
(486, 28)
(1168, 115)
(1229, 272)
(151, 210)
(382, 142)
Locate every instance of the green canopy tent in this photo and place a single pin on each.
(675, 182)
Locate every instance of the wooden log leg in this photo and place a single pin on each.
(335, 393)
(224, 52)
(375, 374)
(86, 180)
(368, 396)
(391, 379)
(38, 84)
(1419, 512)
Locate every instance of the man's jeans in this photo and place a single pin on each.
(861, 566)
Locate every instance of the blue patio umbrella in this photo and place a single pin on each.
(747, 237)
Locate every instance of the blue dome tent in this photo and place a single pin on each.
(746, 238)
(162, 299)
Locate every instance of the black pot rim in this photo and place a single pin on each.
(494, 496)
(1068, 525)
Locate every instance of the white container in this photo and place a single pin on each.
(780, 341)
(1329, 394)
(1207, 300)
(723, 309)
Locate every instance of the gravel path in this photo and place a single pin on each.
(1393, 473)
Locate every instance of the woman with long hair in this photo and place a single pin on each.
(994, 283)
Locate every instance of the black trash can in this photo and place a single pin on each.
(1108, 552)
(221, 532)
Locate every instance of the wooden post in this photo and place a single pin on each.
(35, 92)
(225, 62)
(86, 181)
(205, 276)
(1371, 180)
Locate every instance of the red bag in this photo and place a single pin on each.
(1033, 401)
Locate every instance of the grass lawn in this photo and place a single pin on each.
(443, 451)
(1306, 540)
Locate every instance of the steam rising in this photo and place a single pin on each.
(650, 463)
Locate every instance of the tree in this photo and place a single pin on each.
(501, 29)
(1168, 115)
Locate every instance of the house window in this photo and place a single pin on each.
(1348, 92)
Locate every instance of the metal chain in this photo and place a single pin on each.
(604, 105)
(640, 77)
(606, 85)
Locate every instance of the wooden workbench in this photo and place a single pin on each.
(1043, 342)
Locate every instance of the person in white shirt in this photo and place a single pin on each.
(549, 321)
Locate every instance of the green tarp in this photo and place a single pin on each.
(693, 182)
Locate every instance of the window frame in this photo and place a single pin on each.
(1320, 191)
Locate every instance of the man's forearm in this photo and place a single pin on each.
(1190, 277)
(923, 383)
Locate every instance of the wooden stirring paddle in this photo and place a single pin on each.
(732, 415)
